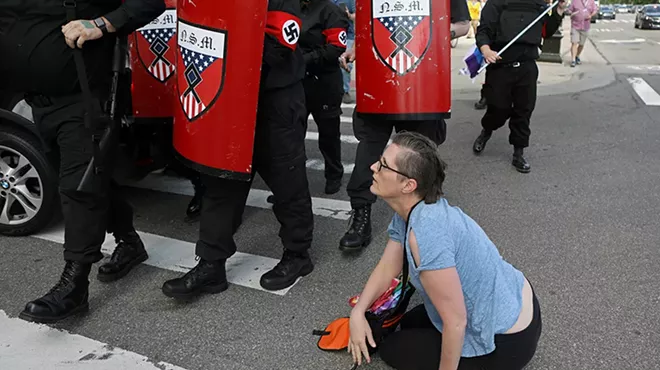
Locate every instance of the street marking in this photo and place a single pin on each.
(348, 139)
(615, 21)
(342, 119)
(319, 165)
(243, 269)
(348, 105)
(648, 67)
(645, 91)
(26, 345)
(607, 29)
(324, 207)
(635, 41)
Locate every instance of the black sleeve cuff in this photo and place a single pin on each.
(117, 18)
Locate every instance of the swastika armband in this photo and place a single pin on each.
(336, 37)
(284, 27)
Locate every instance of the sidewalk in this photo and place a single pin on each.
(554, 78)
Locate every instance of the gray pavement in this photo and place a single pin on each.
(582, 226)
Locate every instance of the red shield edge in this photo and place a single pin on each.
(156, 45)
(401, 37)
(200, 67)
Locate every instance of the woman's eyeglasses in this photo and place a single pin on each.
(382, 165)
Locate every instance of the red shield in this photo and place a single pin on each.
(401, 32)
(200, 67)
(156, 45)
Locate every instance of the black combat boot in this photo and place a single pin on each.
(519, 161)
(481, 104)
(292, 266)
(358, 235)
(67, 298)
(481, 141)
(129, 253)
(206, 277)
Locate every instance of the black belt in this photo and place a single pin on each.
(515, 64)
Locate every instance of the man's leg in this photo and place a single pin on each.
(575, 41)
(85, 214)
(330, 147)
(222, 209)
(498, 95)
(583, 40)
(372, 137)
(524, 101)
(325, 106)
(280, 161)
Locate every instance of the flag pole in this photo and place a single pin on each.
(520, 34)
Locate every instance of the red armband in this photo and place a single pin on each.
(284, 27)
(336, 37)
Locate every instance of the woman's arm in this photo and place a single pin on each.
(443, 287)
(388, 268)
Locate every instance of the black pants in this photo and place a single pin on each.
(510, 93)
(87, 216)
(417, 346)
(373, 137)
(323, 97)
(279, 158)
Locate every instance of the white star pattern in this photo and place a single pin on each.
(201, 61)
(164, 34)
(392, 25)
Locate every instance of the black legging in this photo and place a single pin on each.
(417, 346)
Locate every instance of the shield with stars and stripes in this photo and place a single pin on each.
(200, 67)
(156, 45)
(401, 32)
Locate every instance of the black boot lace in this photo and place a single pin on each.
(68, 276)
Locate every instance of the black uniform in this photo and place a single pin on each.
(323, 40)
(39, 63)
(279, 158)
(510, 88)
(373, 137)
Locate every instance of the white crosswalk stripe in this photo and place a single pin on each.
(645, 92)
(615, 21)
(27, 346)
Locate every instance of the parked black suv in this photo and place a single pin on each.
(28, 182)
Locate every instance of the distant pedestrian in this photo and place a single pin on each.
(474, 6)
(349, 8)
(581, 12)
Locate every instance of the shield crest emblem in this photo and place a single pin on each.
(200, 67)
(401, 32)
(156, 45)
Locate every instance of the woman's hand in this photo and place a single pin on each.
(360, 334)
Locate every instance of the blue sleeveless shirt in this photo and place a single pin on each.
(492, 288)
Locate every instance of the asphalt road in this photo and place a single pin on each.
(582, 226)
(622, 44)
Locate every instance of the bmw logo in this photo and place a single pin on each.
(4, 184)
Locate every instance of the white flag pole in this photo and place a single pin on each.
(521, 33)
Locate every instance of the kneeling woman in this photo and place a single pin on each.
(479, 312)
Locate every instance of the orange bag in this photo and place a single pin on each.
(335, 336)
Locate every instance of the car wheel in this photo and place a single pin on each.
(28, 184)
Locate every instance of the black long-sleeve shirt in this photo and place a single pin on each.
(324, 36)
(283, 63)
(35, 56)
(489, 27)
